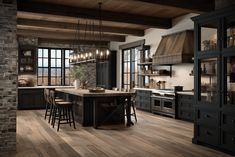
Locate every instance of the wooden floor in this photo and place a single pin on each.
(152, 136)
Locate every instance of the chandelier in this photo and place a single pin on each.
(93, 52)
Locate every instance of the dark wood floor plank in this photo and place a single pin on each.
(152, 136)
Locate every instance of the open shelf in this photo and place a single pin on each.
(145, 63)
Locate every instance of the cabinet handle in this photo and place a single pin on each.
(207, 116)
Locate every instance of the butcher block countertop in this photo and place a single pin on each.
(86, 93)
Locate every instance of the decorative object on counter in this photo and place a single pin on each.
(80, 75)
(26, 82)
(97, 90)
(84, 54)
(162, 84)
(152, 83)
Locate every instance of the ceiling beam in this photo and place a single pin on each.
(69, 36)
(77, 12)
(83, 27)
(194, 5)
(43, 41)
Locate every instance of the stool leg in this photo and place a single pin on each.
(69, 116)
(46, 110)
(51, 112)
(133, 107)
(71, 108)
(59, 118)
(54, 116)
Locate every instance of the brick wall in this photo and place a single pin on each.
(8, 75)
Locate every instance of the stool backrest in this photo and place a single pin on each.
(47, 95)
(52, 96)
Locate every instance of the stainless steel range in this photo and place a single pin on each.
(163, 102)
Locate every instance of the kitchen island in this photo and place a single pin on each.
(95, 109)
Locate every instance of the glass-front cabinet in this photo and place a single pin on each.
(214, 80)
(229, 32)
(208, 80)
(208, 36)
(229, 84)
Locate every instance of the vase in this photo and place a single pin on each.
(76, 84)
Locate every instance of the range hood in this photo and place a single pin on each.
(175, 48)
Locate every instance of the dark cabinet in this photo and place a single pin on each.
(214, 66)
(106, 72)
(27, 60)
(143, 100)
(31, 99)
(185, 107)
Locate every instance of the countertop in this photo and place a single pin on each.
(186, 92)
(86, 93)
(39, 87)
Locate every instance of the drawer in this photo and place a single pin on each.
(208, 135)
(144, 93)
(206, 117)
(186, 105)
(185, 97)
(186, 115)
(228, 120)
(228, 140)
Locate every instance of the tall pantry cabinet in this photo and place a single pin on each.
(214, 60)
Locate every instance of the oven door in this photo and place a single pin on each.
(168, 105)
(156, 103)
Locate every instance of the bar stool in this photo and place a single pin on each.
(63, 111)
(132, 103)
(50, 106)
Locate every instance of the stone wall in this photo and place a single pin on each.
(8, 75)
(91, 69)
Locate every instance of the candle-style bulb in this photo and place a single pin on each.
(107, 52)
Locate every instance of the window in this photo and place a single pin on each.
(130, 60)
(53, 67)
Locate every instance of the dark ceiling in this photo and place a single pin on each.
(58, 19)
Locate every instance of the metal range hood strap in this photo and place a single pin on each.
(175, 48)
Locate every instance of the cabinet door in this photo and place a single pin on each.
(208, 37)
(31, 99)
(185, 107)
(229, 82)
(209, 135)
(103, 74)
(209, 94)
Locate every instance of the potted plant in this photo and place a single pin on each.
(80, 76)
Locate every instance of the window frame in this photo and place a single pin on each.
(63, 67)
